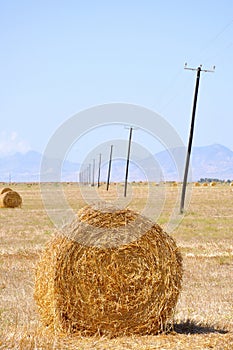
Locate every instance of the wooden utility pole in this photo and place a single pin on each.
(109, 167)
(199, 70)
(86, 176)
(93, 173)
(98, 183)
(89, 174)
(127, 162)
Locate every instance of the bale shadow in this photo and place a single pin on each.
(191, 327)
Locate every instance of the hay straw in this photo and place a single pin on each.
(122, 290)
(10, 199)
(5, 189)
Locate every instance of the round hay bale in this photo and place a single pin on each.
(213, 184)
(205, 184)
(5, 189)
(197, 184)
(10, 199)
(119, 290)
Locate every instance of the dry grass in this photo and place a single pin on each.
(204, 315)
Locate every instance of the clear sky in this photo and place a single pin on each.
(60, 57)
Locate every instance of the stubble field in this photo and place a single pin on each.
(204, 314)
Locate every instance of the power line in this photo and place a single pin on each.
(205, 55)
(202, 55)
(212, 40)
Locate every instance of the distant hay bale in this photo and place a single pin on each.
(213, 184)
(5, 189)
(10, 199)
(174, 184)
(205, 184)
(231, 184)
(197, 184)
(109, 288)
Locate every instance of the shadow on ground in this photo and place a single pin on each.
(190, 327)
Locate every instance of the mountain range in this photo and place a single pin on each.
(214, 161)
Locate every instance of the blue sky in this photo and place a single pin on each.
(60, 57)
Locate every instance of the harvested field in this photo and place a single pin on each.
(204, 314)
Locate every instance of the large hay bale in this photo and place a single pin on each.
(5, 189)
(88, 283)
(10, 199)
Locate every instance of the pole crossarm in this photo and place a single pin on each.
(200, 68)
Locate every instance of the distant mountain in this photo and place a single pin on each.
(21, 167)
(214, 161)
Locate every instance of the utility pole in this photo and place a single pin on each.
(127, 163)
(98, 184)
(198, 70)
(93, 173)
(86, 176)
(83, 176)
(109, 167)
(89, 174)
